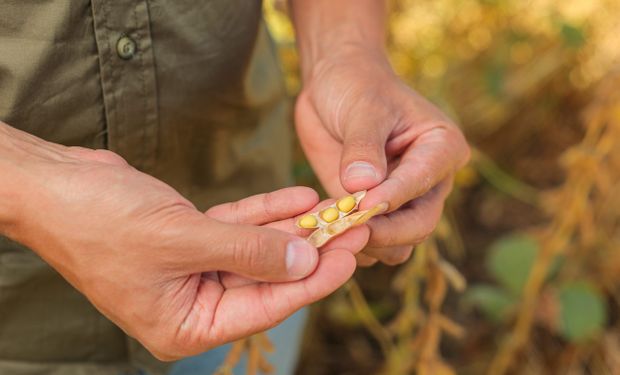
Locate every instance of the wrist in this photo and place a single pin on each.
(339, 51)
(15, 186)
(350, 54)
(326, 29)
(8, 192)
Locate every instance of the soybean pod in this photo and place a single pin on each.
(337, 218)
(336, 211)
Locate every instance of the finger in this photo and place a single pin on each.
(265, 208)
(353, 240)
(391, 256)
(231, 280)
(435, 155)
(257, 307)
(364, 260)
(412, 223)
(259, 253)
(363, 163)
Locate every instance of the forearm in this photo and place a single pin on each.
(328, 27)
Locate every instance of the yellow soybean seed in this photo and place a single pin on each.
(329, 214)
(346, 204)
(308, 221)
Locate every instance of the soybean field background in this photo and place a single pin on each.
(522, 275)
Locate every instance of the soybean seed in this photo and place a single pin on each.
(346, 204)
(308, 221)
(329, 214)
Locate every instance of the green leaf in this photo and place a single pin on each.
(510, 260)
(494, 302)
(583, 311)
(573, 36)
(494, 77)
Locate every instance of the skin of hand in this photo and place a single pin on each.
(178, 280)
(362, 128)
(259, 209)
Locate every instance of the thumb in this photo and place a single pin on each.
(259, 253)
(363, 163)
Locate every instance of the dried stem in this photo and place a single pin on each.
(255, 346)
(380, 333)
(567, 217)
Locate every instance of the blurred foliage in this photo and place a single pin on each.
(510, 260)
(582, 311)
(533, 223)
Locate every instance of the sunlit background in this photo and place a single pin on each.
(523, 273)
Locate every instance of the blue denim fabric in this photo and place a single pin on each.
(286, 338)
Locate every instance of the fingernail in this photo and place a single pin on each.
(301, 258)
(359, 169)
(382, 208)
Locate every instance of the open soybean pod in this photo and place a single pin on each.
(341, 208)
(322, 235)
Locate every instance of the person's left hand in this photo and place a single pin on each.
(362, 128)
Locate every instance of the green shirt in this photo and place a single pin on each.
(187, 91)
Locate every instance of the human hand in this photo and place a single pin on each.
(148, 260)
(284, 203)
(362, 128)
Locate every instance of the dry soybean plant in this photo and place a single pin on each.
(410, 342)
(584, 230)
(255, 347)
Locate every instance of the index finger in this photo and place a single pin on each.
(425, 163)
(266, 208)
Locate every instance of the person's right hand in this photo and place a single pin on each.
(148, 260)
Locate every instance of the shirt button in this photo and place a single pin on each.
(125, 47)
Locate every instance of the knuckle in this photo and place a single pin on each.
(383, 238)
(387, 233)
(268, 309)
(428, 227)
(397, 256)
(109, 157)
(425, 233)
(400, 184)
(459, 145)
(234, 212)
(455, 132)
(249, 250)
(361, 142)
(366, 261)
(427, 169)
(269, 203)
(466, 154)
(364, 148)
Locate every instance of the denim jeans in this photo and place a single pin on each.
(286, 339)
